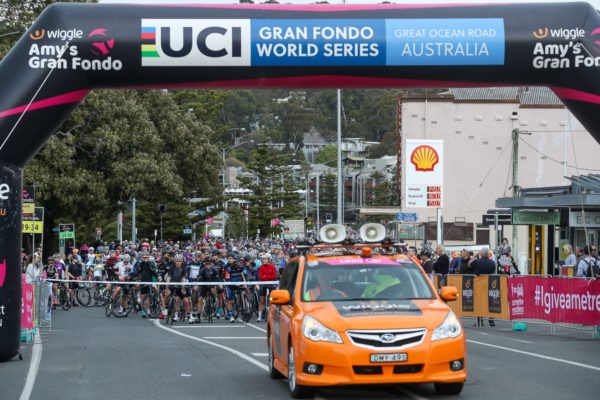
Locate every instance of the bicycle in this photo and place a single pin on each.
(151, 304)
(64, 297)
(242, 305)
(209, 308)
(83, 295)
(123, 299)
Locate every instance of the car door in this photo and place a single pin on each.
(283, 314)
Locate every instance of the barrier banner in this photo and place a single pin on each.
(468, 299)
(494, 294)
(480, 296)
(575, 301)
(27, 310)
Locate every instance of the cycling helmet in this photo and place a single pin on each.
(247, 257)
(178, 257)
(126, 257)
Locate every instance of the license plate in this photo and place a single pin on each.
(385, 358)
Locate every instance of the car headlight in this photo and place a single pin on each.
(450, 328)
(317, 332)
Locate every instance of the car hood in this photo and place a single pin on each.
(380, 314)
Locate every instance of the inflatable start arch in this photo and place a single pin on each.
(73, 48)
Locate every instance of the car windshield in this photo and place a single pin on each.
(360, 279)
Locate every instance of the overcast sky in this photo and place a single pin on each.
(595, 3)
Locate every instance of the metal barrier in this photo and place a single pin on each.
(519, 298)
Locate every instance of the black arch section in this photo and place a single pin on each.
(74, 48)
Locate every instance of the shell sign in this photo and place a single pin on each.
(424, 166)
(424, 158)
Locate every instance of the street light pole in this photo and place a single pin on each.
(340, 180)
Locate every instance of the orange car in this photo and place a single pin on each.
(341, 319)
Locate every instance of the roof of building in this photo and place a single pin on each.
(525, 95)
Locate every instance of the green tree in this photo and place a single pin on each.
(273, 192)
(236, 226)
(327, 155)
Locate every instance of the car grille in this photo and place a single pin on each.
(389, 339)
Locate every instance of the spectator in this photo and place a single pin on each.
(570, 258)
(454, 267)
(484, 266)
(34, 269)
(442, 264)
(584, 262)
(426, 262)
(465, 262)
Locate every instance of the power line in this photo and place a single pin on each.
(555, 160)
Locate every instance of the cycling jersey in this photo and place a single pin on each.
(124, 270)
(208, 275)
(147, 271)
(236, 272)
(177, 274)
(267, 272)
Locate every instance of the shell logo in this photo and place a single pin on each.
(424, 158)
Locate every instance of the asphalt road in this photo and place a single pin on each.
(87, 355)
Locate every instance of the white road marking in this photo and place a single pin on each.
(36, 357)
(260, 354)
(255, 327)
(206, 326)
(220, 346)
(502, 337)
(234, 337)
(186, 375)
(481, 333)
(592, 367)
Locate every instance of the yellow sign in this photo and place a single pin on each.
(28, 208)
(33, 227)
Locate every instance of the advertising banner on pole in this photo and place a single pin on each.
(424, 166)
(27, 293)
(557, 300)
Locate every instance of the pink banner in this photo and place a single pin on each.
(27, 307)
(574, 300)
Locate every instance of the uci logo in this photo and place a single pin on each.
(195, 42)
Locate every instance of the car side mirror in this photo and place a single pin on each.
(449, 293)
(280, 297)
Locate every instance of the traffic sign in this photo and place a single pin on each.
(33, 223)
(187, 230)
(490, 219)
(66, 231)
(406, 217)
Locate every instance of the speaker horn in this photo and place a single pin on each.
(372, 232)
(333, 233)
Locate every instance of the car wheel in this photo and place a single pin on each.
(296, 391)
(448, 388)
(273, 372)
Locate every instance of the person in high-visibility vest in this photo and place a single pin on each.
(324, 289)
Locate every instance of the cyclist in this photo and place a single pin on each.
(177, 274)
(266, 272)
(206, 274)
(234, 272)
(52, 273)
(125, 271)
(147, 271)
(192, 272)
(219, 266)
(74, 272)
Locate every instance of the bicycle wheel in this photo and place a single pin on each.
(150, 305)
(108, 308)
(84, 297)
(67, 302)
(171, 310)
(123, 300)
(254, 300)
(102, 296)
(247, 310)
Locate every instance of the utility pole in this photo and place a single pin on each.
(133, 227)
(340, 178)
